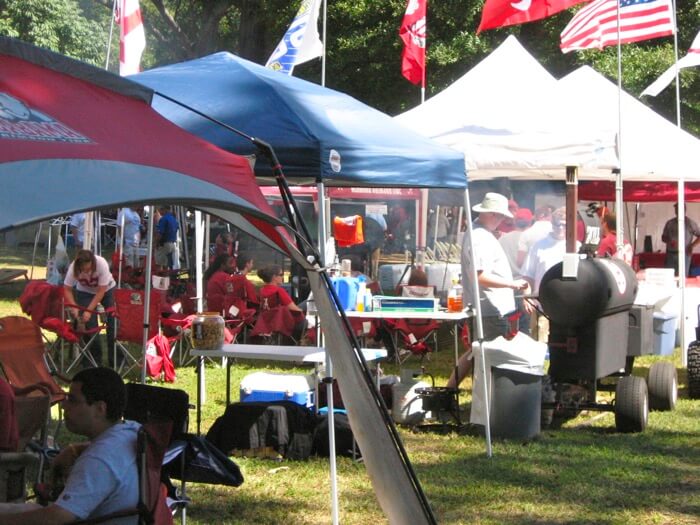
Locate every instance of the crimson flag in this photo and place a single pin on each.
(412, 32)
(500, 13)
(132, 40)
(595, 25)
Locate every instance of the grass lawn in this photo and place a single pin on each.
(583, 473)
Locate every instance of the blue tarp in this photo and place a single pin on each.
(316, 132)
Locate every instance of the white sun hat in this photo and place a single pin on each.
(493, 203)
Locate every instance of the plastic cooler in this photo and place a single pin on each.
(263, 386)
(389, 275)
(664, 333)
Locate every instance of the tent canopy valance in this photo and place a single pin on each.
(317, 133)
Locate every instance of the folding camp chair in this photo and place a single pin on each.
(33, 413)
(43, 302)
(412, 336)
(276, 324)
(241, 305)
(152, 403)
(23, 356)
(129, 312)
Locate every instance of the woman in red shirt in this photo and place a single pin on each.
(218, 277)
(272, 295)
(273, 277)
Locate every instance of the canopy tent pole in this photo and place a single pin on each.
(199, 276)
(121, 248)
(147, 290)
(36, 242)
(479, 328)
(322, 239)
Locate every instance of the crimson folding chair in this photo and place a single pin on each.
(129, 312)
(413, 337)
(241, 305)
(276, 323)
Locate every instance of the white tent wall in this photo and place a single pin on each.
(652, 148)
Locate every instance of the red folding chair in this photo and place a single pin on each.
(129, 312)
(277, 324)
(240, 305)
(412, 336)
(44, 302)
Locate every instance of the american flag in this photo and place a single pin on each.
(595, 26)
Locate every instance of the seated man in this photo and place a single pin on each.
(103, 477)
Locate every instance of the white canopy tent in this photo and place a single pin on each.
(510, 119)
(505, 116)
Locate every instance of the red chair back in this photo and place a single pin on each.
(129, 306)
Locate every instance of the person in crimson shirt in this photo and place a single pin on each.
(244, 264)
(218, 278)
(273, 277)
(272, 294)
(608, 244)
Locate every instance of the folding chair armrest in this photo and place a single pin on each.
(23, 391)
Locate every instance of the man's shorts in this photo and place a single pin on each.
(163, 252)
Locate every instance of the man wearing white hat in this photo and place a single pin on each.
(495, 278)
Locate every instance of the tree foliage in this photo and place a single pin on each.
(60, 25)
(363, 47)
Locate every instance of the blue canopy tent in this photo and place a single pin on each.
(318, 134)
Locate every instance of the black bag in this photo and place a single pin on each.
(284, 425)
(203, 463)
(345, 444)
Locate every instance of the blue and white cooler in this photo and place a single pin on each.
(265, 386)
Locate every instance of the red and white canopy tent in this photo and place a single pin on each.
(75, 137)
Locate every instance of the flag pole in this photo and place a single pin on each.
(111, 32)
(619, 228)
(425, 57)
(682, 270)
(323, 54)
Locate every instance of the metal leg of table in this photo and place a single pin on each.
(228, 382)
(200, 364)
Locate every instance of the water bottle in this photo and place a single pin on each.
(100, 312)
(368, 300)
(454, 298)
(360, 302)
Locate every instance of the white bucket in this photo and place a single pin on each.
(406, 406)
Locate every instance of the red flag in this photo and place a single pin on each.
(412, 32)
(595, 25)
(132, 40)
(500, 13)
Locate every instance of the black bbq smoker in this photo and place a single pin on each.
(589, 304)
(588, 310)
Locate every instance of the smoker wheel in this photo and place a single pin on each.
(663, 386)
(694, 370)
(631, 404)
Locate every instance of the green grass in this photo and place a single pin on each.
(583, 473)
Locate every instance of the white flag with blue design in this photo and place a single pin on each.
(301, 42)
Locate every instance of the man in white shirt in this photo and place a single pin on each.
(544, 254)
(496, 282)
(77, 229)
(131, 221)
(539, 230)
